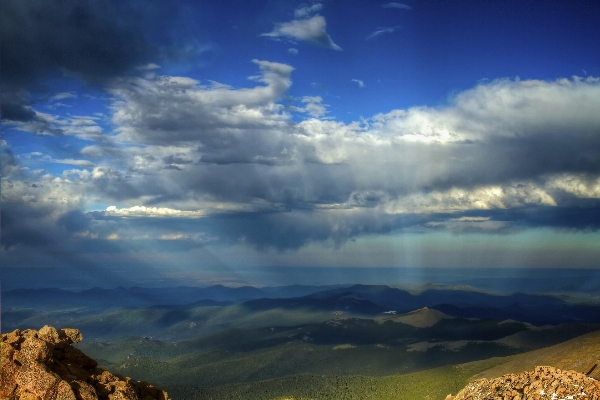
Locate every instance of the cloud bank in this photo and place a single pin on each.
(184, 161)
(501, 157)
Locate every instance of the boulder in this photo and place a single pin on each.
(543, 383)
(43, 365)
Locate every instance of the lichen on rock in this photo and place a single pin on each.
(542, 383)
(43, 365)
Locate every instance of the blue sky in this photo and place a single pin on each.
(170, 138)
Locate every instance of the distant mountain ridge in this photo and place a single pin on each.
(535, 309)
(145, 297)
(167, 307)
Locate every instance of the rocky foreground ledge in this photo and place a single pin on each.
(43, 364)
(541, 384)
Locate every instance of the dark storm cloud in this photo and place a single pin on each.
(287, 185)
(75, 221)
(176, 159)
(274, 230)
(15, 107)
(524, 156)
(91, 40)
(94, 40)
(8, 163)
(527, 155)
(35, 226)
(24, 225)
(293, 230)
(173, 110)
(583, 218)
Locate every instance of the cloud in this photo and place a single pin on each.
(360, 83)
(473, 143)
(400, 6)
(501, 157)
(151, 212)
(16, 105)
(148, 67)
(179, 158)
(83, 127)
(512, 195)
(63, 96)
(579, 185)
(470, 219)
(314, 106)
(305, 11)
(78, 163)
(311, 30)
(38, 123)
(383, 30)
(293, 51)
(90, 41)
(225, 125)
(32, 207)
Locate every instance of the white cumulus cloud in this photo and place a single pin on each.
(312, 30)
(154, 212)
(305, 11)
(178, 109)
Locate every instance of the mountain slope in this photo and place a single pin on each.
(578, 354)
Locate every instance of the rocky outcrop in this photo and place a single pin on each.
(543, 383)
(36, 365)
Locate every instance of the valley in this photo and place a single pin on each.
(316, 342)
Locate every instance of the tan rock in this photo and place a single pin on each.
(29, 333)
(542, 383)
(123, 391)
(34, 350)
(84, 390)
(14, 337)
(118, 395)
(72, 335)
(107, 377)
(64, 392)
(6, 352)
(8, 382)
(49, 334)
(28, 396)
(42, 365)
(35, 379)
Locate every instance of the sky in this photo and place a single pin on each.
(197, 142)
